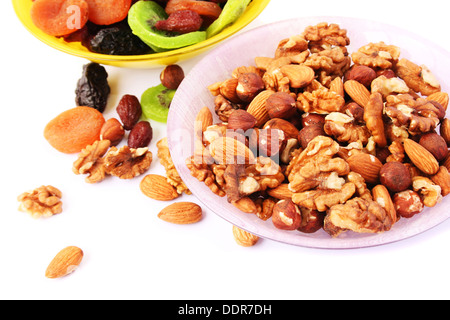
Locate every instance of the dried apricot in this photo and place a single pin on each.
(59, 17)
(74, 129)
(105, 12)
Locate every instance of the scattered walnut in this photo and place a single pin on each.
(417, 115)
(325, 36)
(126, 162)
(90, 161)
(44, 201)
(320, 100)
(377, 55)
(171, 172)
(418, 78)
(345, 129)
(204, 173)
(314, 166)
(358, 215)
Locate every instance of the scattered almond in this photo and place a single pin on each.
(357, 91)
(181, 213)
(65, 262)
(244, 238)
(156, 187)
(421, 157)
(368, 166)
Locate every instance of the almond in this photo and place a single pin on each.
(226, 150)
(357, 91)
(181, 213)
(381, 195)
(203, 120)
(440, 97)
(156, 187)
(281, 192)
(421, 157)
(244, 238)
(257, 107)
(65, 262)
(299, 75)
(368, 166)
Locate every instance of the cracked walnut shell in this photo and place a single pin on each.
(126, 162)
(44, 201)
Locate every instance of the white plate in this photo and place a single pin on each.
(241, 50)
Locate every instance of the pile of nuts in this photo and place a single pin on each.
(318, 138)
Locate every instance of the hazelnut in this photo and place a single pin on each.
(172, 76)
(310, 119)
(355, 111)
(268, 142)
(288, 128)
(434, 143)
(281, 105)
(312, 220)
(408, 203)
(388, 73)
(113, 131)
(228, 90)
(249, 85)
(395, 176)
(308, 133)
(241, 119)
(363, 74)
(286, 215)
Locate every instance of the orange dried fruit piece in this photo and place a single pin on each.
(59, 17)
(106, 12)
(74, 129)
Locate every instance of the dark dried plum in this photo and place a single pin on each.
(118, 41)
(93, 88)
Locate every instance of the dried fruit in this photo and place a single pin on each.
(231, 11)
(244, 238)
(118, 40)
(74, 129)
(142, 18)
(65, 262)
(141, 135)
(156, 187)
(155, 102)
(107, 12)
(92, 88)
(57, 17)
(181, 21)
(181, 213)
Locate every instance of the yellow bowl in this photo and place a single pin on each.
(23, 7)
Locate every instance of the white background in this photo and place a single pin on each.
(129, 252)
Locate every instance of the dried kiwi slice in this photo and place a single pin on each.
(155, 102)
(142, 18)
(232, 10)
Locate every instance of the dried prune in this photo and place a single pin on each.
(118, 41)
(92, 88)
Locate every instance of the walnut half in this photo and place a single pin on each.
(44, 201)
(126, 162)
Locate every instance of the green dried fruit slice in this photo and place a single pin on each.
(142, 18)
(232, 10)
(155, 102)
